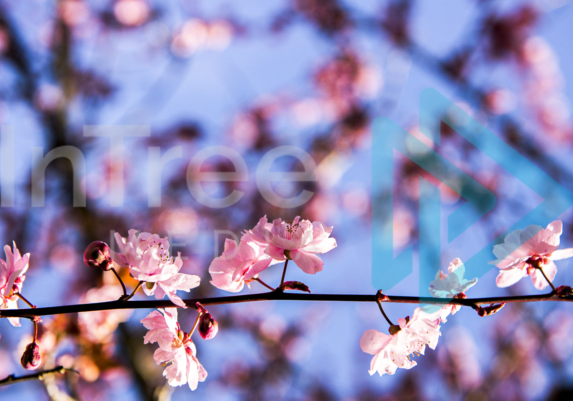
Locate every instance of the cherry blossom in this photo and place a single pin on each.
(299, 241)
(12, 276)
(526, 252)
(451, 285)
(239, 263)
(175, 349)
(394, 351)
(147, 257)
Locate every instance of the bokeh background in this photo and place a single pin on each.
(254, 75)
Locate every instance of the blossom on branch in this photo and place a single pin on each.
(12, 276)
(238, 263)
(408, 338)
(452, 285)
(530, 252)
(147, 257)
(175, 348)
(299, 241)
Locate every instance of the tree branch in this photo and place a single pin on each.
(273, 296)
(36, 376)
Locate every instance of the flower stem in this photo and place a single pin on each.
(199, 313)
(24, 299)
(284, 274)
(265, 284)
(120, 281)
(125, 298)
(546, 278)
(35, 320)
(383, 313)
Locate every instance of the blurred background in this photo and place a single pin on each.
(254, 75)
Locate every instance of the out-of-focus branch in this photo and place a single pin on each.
(36, 376)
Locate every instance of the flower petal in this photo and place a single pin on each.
(372, 341)
(508, 277)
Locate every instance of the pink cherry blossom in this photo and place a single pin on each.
(300, 241)
(526, 252)
(147, 257)
(394, 351)
(452, 285)
(12, 276)
(175, 349)
(99, 326)
(238, 263)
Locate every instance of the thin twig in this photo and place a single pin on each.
(199, 313)
(126, 298)
(24, 299)
(120, 281)
(274, 296)
(382, 310)
(546, 278)
(284, 274)
(265, 284)
(35, 321)
(36, 376)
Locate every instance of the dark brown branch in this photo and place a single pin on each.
(273, 296)
(36, 376)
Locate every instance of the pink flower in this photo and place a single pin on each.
(300, 241)
(175, 349)
(99, 326)
(12, 276)
(525, 252)
(394, 351)
(238, 263)
(147, 256)
(452, 285)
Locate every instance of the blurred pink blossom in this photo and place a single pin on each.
(526, 252)
(73, 12)
(131, 12)
(175, 349)
(99, 326)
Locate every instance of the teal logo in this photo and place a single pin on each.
(388, 138)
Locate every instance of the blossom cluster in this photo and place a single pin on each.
(146, 258)
(528, 252)
(411, 335)
(175, 348)
(267, 244)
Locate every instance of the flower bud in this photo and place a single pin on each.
(31, 358)
(208, 327)
(394, 329)
(98, 255)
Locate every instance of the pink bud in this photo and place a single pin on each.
(208, 327)
(97, 255)
(31, 358)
